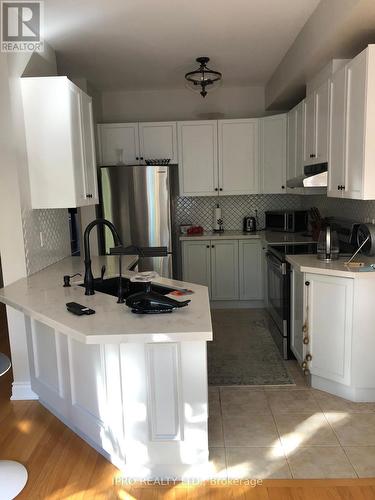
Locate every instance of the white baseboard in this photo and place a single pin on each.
(358, 395)
(237, 304)
(22, 391)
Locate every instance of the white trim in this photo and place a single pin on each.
(22, 391)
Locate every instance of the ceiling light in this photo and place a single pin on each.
(203, 76)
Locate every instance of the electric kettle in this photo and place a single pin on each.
(328, 245)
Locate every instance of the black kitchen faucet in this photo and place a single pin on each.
(89, 278)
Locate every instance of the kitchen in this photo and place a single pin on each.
(219, 201)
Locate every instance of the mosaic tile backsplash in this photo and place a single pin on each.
(359, 210)
(53, 224)
(199, 210)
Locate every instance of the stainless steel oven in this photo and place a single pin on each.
(278, 281)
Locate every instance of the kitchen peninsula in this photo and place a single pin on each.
(133, 386)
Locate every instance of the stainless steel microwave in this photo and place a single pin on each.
(290, 221)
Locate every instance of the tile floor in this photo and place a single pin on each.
(289, 432)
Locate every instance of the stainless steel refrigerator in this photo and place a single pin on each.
(139, 200)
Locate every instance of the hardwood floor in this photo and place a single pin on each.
(62, 466)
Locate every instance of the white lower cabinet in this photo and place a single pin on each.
(250, 270)
(330, 310)
(322, 315)
(232, 269)
(224, 270)
(196, 262)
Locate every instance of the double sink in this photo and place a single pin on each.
(110, 286)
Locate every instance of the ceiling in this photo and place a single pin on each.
(150, 44)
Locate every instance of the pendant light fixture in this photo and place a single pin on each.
(203, 76)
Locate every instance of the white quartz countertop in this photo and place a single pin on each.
(269, 237)
(311, 264)
(42, 297)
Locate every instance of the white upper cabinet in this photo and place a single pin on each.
(336, 159)
(158, 140)
(60, 143)
(197, 158)
(89, 146)
(118, 143)
(238, 156)
(273, 154)
(322, 120)
(295, 144)
(132, 143)
(316, 125)
(352, 129)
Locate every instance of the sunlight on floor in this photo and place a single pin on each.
(24, 426)
(302, 433)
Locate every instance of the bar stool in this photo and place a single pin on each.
(13, 475)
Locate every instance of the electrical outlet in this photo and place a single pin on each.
(41, 239)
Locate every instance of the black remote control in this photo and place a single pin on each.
(79, 309)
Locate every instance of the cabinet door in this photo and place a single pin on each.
(295, 145)
(336, 163)
(251, 270)
(309, 131)
(224, 270)
(158, 140)
(119, 143)
(291, 166)
(300, 118)
(91, 181)
(322, 116)
(238, 156)
(273, 154)
(297, 314)
(78, 150)
(196, 262)
(355, 126)
(197, 158)
(330, 306)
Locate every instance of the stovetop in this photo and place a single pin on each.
(280, 251)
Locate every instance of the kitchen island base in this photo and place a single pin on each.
(142, 405)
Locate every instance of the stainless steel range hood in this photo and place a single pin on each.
(315, 176)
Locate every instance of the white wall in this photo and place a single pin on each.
(182, 104)
(337, 29)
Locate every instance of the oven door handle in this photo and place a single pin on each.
(275, 262)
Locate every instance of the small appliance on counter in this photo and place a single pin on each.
(328, 245)
(366, 238)
(195, 231)
(184, 228)
(289, 221)
(148, 301)
(249, 225)
(218, 226)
